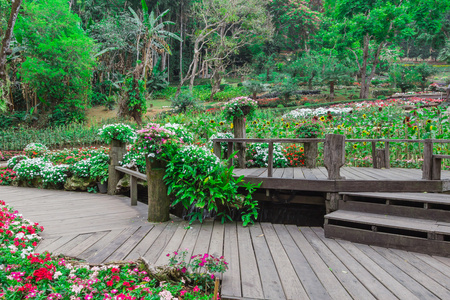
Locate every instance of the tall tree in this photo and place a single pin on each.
(4, 51)
(366, 27)
(223, 27)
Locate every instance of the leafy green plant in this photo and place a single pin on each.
(82, 168)
(259, 155)
(99, 167)
(309, 130)
(30, 169)
(183, 102)
(181, 132)
(54, 175)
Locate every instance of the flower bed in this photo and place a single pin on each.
(29, 275)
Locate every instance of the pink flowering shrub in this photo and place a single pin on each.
(25, 274)
(156, 141)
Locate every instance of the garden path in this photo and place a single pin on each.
(267, 261)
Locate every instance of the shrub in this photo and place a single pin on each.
(35, 150)
(181, 132)
(259, 155)
(7, 176)
(99, 167)
(120, 132)
(30, 169)
(12, 162)
(82, 168)
(54, 174)
(309, 130)
(183, 102)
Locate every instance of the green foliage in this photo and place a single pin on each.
(259, 155)
(57, 136)
(183, 102)
(404, 77)
(135, 93)
(200, 182)
(82, 168)
(254, 87)
(99, 167)
(13, 161)
(309, 130)
(59, 62)
(33, 150)
(424, 71)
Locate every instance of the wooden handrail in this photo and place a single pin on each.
(134, 175)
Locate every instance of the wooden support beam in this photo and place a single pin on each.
(310, 152)
(239, 132)
(270, 161)
(133, 190)
(436, 168)
(387, 156)
(334, 155)
(217, 149)
(117, 151)
(427, 159)
(158, 200)
(374, 155)
(230, 157)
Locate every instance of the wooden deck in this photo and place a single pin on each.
(356, 180)
(267, 261)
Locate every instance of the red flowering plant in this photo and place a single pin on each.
(71, 156)
(295, 155)
(7, 176)
(200, 269)
(28, 275)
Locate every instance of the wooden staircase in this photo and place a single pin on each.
(417, 222)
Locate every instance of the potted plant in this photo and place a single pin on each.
(117, 132)
(99, 171)
(240, 107)
(309, 130)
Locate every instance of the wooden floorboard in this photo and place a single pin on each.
(266, 261)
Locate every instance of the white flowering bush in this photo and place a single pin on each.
(220, 135)
(306, 112)
(29, 169)
(239, 107)
(259, 155)
(134, 157)
(54, 174)
(119, 131)
(181, 132)
(13, 161)
(35, 150)
(82, 168)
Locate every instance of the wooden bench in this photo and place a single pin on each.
(134, 176)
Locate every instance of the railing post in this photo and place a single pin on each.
(374, 155)
(230, 157)
(387, 156)
(310, 152)
(334, 155)
(217, 149)
(158, 200)
(427, 159)
(133, 190)
(436, 168)
(239, 133)
(270, 161)
(116, 152)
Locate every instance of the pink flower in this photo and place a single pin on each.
(182, 292)
(196, 289)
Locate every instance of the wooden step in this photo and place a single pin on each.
(414, 205)
(420, 235)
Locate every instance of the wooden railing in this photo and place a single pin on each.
(134, 176)
(334, 153)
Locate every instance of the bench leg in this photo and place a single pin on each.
(133, 190)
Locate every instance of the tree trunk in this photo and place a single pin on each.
(4, 50)
(195, 64)
(215, 83)
(181, 42)
(331, 91)
(364, 92)
(254, 95)
(310, 80)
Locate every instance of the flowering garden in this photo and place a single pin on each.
(26, 274)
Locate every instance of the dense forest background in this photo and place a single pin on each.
(64, 56)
